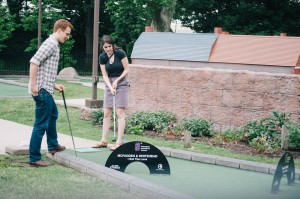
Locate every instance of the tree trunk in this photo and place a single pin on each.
(162, 18)
(15, 7)
(89, 36)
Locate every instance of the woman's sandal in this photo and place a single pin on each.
(100, 145)
(114, 147)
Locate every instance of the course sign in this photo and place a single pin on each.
(286, 167)
(137, 151)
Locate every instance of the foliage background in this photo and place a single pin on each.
(125, 20)
(256, 17)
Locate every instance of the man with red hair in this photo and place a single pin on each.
(43, 72)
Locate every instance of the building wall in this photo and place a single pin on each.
(229, 98)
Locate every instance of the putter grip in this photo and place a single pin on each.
(63, 95)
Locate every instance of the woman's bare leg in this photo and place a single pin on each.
(121, 124)
(106, 123)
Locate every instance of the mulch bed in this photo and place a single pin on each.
(237, 147)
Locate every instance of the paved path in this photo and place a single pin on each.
(18, 135)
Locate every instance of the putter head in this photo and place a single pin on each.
(114, 139)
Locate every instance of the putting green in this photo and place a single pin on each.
(8, 90)
(206, 181)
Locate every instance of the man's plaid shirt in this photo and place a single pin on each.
(47, 58)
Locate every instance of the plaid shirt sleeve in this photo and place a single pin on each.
(45, 50)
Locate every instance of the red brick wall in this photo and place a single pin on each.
(229, 98)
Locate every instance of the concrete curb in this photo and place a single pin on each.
(223, 161)
(13, 82)
(17, 150)
(126, 182)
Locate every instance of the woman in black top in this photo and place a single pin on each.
(114, 67)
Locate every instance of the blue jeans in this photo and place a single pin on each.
(46, 115)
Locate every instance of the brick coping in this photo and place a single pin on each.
(223, 161)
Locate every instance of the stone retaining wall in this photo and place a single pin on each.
(229, 98)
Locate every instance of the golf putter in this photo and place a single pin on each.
(114, 110)
(63, 95)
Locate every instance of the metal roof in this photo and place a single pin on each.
(260, 50)
(174, 46)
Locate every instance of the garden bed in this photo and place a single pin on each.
(237, 147)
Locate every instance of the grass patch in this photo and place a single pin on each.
(76, 91)
(21, 182)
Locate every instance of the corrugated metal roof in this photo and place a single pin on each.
(174, 46)
(262, 50)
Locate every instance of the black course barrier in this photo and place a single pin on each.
(285, 166)
(137, 151)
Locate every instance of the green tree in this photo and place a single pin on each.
(131, 17)
(81, 15)
(124, 20)
(262, 17)
(51, 12)
(18, 40)
(129, 20)
(7, 25)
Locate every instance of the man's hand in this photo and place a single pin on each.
(59, 87)
(33, 75)
(34, 90)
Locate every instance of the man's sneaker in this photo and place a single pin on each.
(57, 149)
(39, 163)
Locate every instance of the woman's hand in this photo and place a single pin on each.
(115, 84)
(113, 91)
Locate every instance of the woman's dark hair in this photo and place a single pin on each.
(106, 39)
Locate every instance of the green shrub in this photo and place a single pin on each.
(197, 126)
(140, 121)
(164, 120)
(265, 145)
(253, 130)
(264, 135)
(135, 124)
(294, 137)
(97, 117)
(233, 135)
(267, 127)
(229, 135)
(275, 123)
(134, 129)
